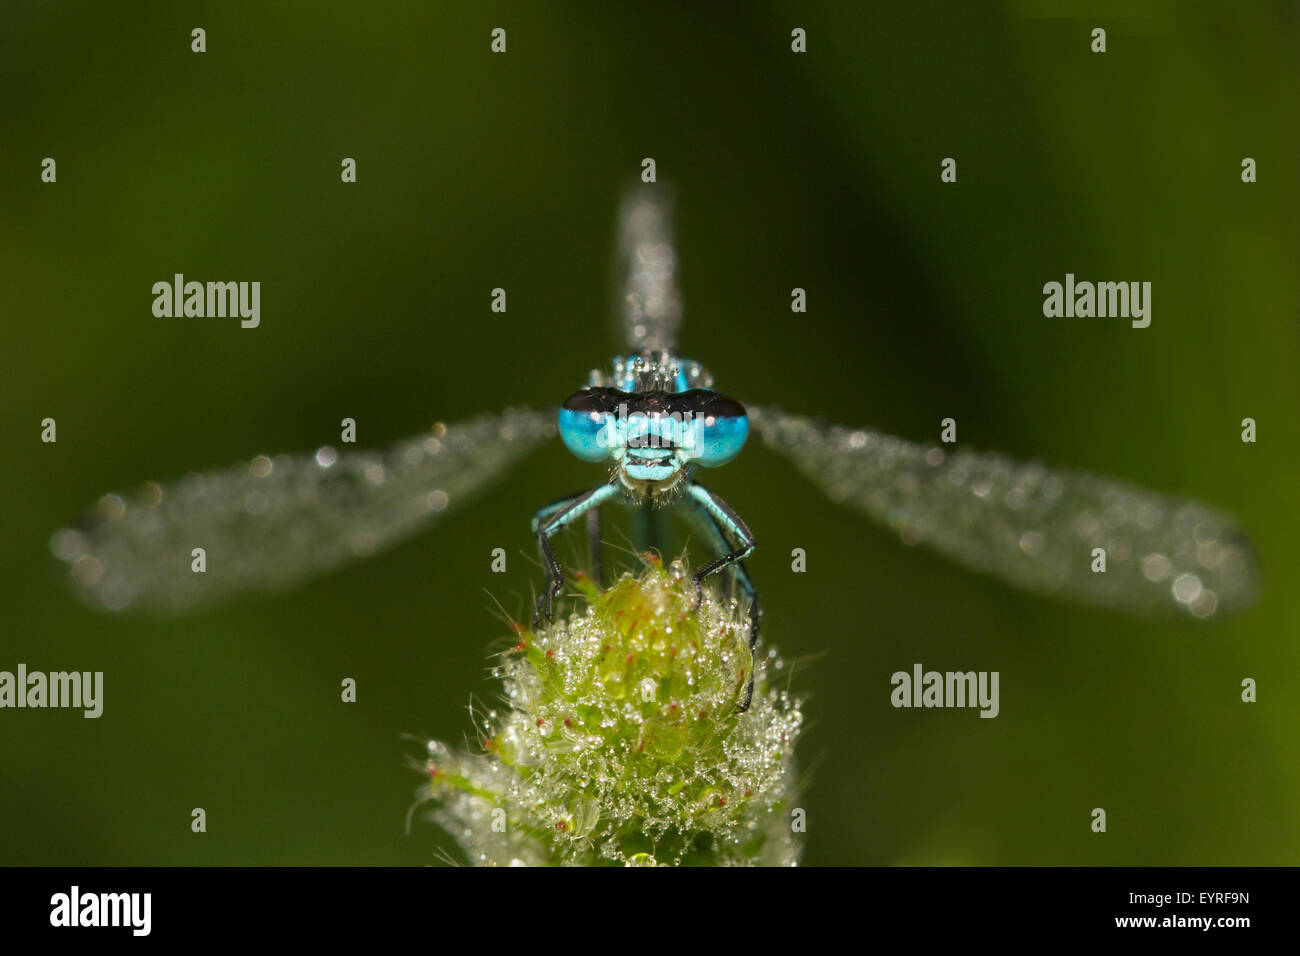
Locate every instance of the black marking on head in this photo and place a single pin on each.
(707, 403)
(596, 399)
(695, 402)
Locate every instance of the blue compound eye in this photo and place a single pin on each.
(719, 425)
(588, 424)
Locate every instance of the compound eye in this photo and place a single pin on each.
(721, 426)
(721, 406)
(587, 424)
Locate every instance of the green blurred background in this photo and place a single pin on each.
(818, 170)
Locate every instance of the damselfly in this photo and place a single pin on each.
(655, 420)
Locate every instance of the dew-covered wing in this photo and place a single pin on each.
(1033, 526)
(270, 522)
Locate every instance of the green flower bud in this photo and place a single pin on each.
(620, 740)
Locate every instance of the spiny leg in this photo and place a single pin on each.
(740, 574)
(723, 525)
(546, 523)
(730, 525)
(709, 525)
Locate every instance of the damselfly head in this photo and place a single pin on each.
(651, 436)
